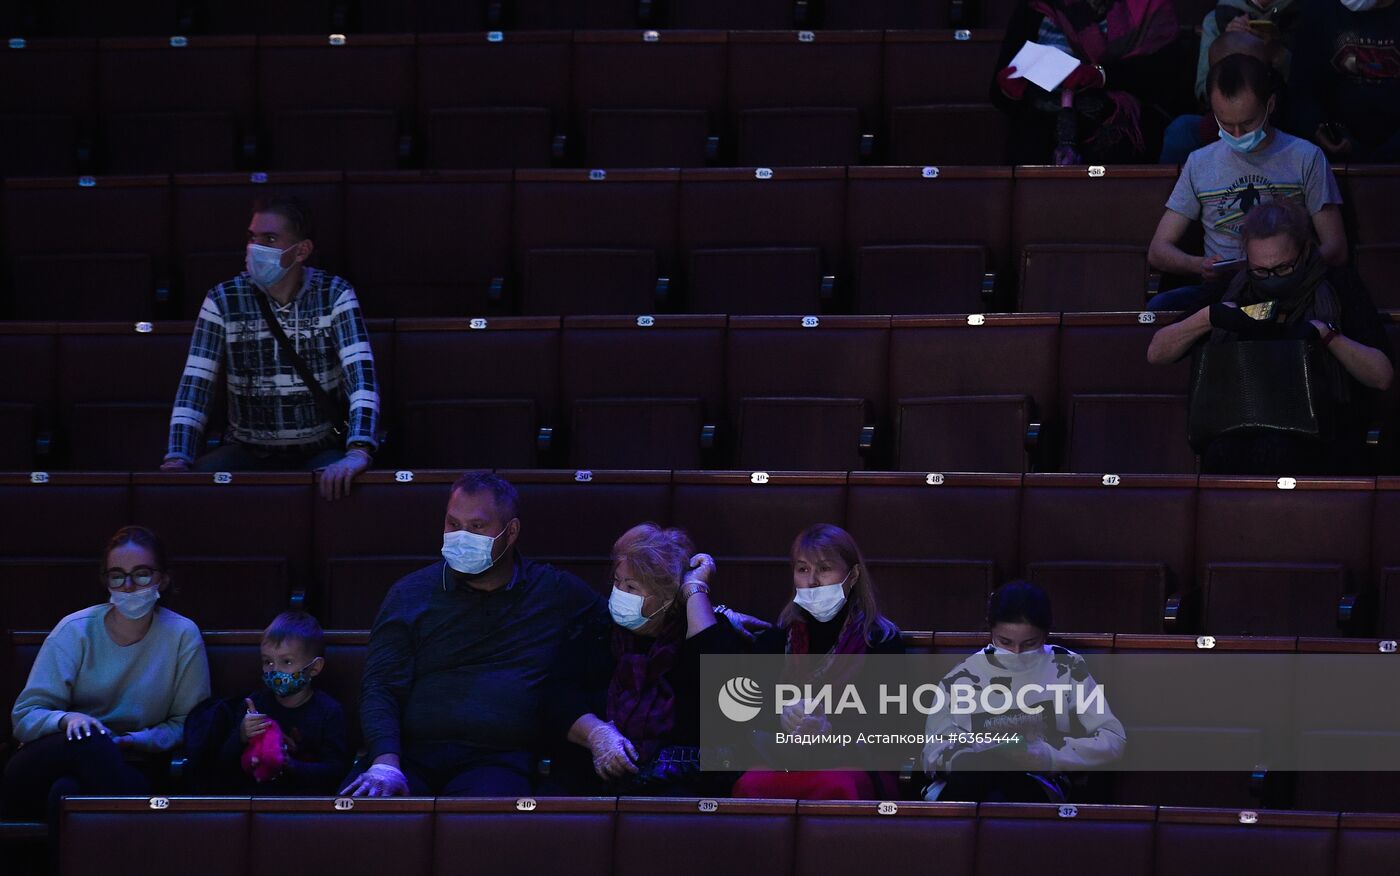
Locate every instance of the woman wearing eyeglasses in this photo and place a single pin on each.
(1327, 321)
(109, 690)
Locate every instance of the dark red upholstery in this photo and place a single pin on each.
(757, 243)
(362, 544)
(696, 843)
(431, 244)
(336, 106)
(803, 99)
(375, 836)
(1093, 255)
(475, 398)
(1024, 836)
(803, 394)
(1370, 193)
(1109, 555)
(626, 413)
(485, 102)
(1366, 843)
(26, 406)
(168, 108)
(845, 837)
(116, 391)
(97, 247)
(585, 244)
(500, 838)
(749, 526)
(919, 240)
(965, 395)
(50, 551)
(1211, 842)
(571, 519)
(237, 549)
(48, 106)
(128, 836)
(648, 101)
(1277, 561)
(937, 550)
(732, 14)
(1121, 415)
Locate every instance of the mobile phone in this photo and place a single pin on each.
(1231, 265)
(1263, 27)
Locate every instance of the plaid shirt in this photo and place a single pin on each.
(268, 404)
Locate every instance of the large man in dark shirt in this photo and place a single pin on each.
(454, 689)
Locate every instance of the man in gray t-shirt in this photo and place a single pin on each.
(1251, 164)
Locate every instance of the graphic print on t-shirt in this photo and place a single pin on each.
(1225, 209)
(1367, 60)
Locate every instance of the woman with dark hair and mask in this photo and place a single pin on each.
(833, 616)
(1027, 764)
(109, 690)
(1108, 110)
(1289, 293)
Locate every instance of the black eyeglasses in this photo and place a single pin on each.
(141, 576)
(1277, 270)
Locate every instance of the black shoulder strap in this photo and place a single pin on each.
(329, 409)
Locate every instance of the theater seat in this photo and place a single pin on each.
(493, 101)
(181, 829)
(1366, 843)
(807, 395)
(1210, 842)
(376, 835)
(500, 837)
(48, 105)
(936, 546)
(857, 837)
(761, 240)
(1045, 838)
(1385, 559)
(650, 98)
(935, 97)
(692, 841)
(1111, 555)
(27, 406)
(488, 407)
(748, 520)
(591, 242)
(971, 393)
(892, 214)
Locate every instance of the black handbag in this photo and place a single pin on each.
(1253, 385)
(336, 414)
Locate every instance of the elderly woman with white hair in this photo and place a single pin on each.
(644, 732)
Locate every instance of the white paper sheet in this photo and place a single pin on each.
(1046, 66)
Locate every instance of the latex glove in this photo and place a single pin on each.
(702, 567)
(1239, 24)
(746, 625)
(1084, 76)
(1229, 317)
(796, 720)
(76, 726)
(613, 754)
(380, 780)
(337, 477)
(254, 723)
(1037, 757)
(1012, 88)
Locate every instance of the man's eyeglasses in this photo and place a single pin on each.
(1282, 270)
(141, 576)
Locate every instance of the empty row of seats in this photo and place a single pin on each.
(1124, 553)
(603, 99)
(986, 392)
(605, 836)
(921, 239)
(164, 17)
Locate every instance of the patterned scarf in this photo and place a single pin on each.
(1135, 28)
(641, 701)
(851, 640)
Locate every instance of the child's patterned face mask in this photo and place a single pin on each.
(285, 684)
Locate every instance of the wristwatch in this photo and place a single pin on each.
(690, 588)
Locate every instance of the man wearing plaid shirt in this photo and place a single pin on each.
(274, 422)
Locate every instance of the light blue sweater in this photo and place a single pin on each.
(143, 690)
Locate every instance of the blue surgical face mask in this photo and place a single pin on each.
(264, 264)
(136, 604)
(1245, 143)
(626, 609)
(286, 684)
(469, 553)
